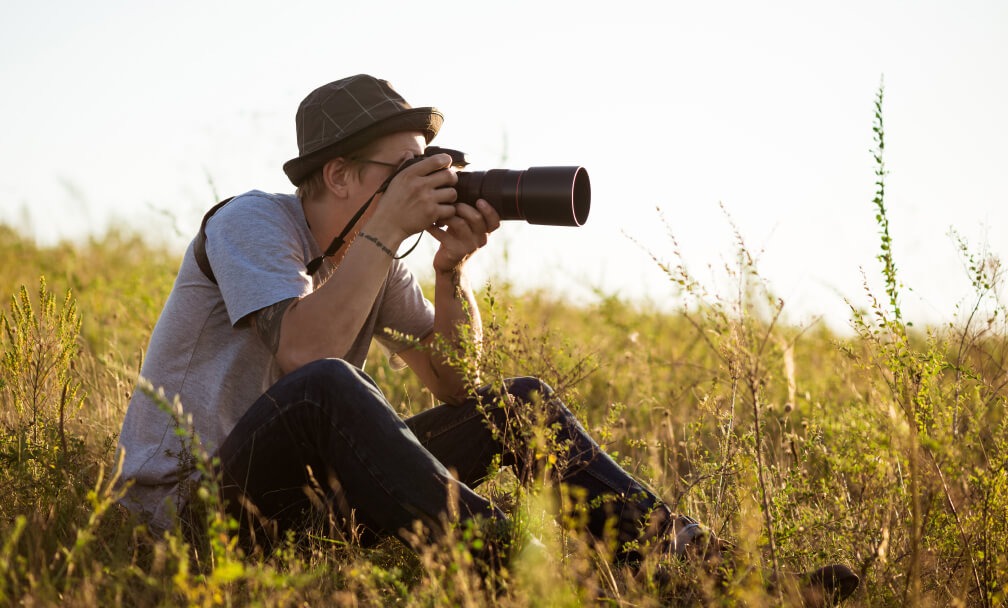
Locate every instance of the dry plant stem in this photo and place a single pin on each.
(913, 590)
(959, 524)
(761, 477)
(729, 444)
(62, 416)
(988, 575)
(753, 382)
(984, 272)
(959, 366)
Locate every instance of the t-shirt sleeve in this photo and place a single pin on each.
(404, 310)
(256, 255)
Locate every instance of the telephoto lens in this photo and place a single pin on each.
(554, 196)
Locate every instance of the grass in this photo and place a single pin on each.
(885, 449)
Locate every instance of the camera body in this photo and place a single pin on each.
(554, 196)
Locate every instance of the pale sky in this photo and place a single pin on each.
(126, 111)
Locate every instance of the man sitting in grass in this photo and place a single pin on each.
(266, 330)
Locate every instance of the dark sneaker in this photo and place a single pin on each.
(826, 586)
(681, 541)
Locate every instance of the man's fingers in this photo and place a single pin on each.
(473, 217)
(438, 233)
(490, 215)
(434, 171)
(445, 212)
(459, 232)
(429, 165)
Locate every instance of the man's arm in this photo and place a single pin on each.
(454, 303)
(325, 323)
(454, 306)
(267, 323)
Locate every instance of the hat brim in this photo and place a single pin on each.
(425, 120)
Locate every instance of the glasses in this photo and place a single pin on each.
(368, 161)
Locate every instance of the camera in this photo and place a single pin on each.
(554, 196)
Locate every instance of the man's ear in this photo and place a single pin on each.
(335, 175)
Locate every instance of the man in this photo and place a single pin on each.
(264, 350)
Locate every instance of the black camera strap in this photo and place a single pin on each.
(340, 240)
(458, 160)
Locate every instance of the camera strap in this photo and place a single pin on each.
(458, 160)
(340, 240)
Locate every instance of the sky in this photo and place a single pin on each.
(697, 122)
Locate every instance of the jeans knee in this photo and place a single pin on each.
(331, 372)
(519, 401)
(326, 367)
(336, 383)
(528, 389)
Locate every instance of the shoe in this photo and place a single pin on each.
(826, 586)
(690, 541)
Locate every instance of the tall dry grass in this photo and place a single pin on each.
(884, 449)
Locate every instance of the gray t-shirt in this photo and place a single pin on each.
(205, 351)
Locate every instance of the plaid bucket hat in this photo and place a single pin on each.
(348, 114)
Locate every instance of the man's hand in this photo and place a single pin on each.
(418, 197)
(462, 234)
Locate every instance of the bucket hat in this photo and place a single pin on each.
(347, 114)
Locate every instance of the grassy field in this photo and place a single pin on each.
(884, 449)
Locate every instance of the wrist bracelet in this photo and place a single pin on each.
(378, 244)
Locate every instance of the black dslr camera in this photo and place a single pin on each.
(555, 196)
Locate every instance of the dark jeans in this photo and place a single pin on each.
(323, 444)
